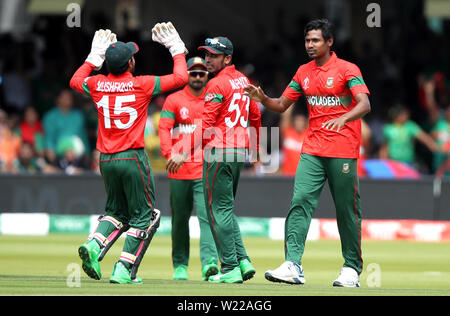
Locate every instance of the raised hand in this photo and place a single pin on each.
(101, 41)
(254, 93)
(167, 35)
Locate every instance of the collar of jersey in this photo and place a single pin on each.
(188, 92)
(226, 70)
(328, 64)
(126, 74)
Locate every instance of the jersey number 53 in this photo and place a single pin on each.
(241, 112)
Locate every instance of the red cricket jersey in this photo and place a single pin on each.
(122, 102)
(228, 112)
(181, 116)
(329, 92)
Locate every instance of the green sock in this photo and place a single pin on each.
(104, 230)
(130, 247)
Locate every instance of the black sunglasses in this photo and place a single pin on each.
(200, 73)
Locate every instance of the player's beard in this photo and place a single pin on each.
(196, 85)
(215, 70)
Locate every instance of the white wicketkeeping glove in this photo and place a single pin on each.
(167, 35)
(102, 40)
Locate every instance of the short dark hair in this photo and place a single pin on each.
(324, 25)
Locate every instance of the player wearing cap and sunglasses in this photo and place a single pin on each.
(122, 100)
(181, 115)
(226, 117)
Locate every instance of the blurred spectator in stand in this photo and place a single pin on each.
(441, 134)
(31, 130)
(70, 155)
(399, 138)
(9, 142)
(95, 163)
(434, 93)
(293, 128)
(90, 114)
(45, 87)
(28, 162)
(64, 125)
(19, 70)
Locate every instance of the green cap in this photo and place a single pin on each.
(194, 61)
(218, 45)
(119, 53)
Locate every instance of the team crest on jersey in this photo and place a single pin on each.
(184, 113)
(330, 82)
(306, 83)
(345, 168)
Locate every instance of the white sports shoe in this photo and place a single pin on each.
(347, 278)
(289, 272)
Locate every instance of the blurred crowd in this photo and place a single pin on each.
(47, 128)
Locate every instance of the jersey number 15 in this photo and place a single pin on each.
(118, 109)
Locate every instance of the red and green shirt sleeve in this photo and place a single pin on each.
(294, 90)
(79, 80)
(214, 98)
(354, 80)
(166, 123)
(177, 79)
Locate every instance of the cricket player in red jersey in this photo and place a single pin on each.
(181, 115)
(227, 116)
(337, 98)
(122, 102)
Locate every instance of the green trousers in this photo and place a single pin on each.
(312, 172)
(183, 195)
(221, 172)
(129, 186)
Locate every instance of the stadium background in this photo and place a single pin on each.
(400, 61)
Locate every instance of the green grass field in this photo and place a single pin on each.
(39, 266)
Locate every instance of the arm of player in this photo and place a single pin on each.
(213, 103)
(100, 43)
(278, 105)
(179, 76)
(428, 141)
(167, 35)
(79, 78)
(355, 83)
(156, 85)
(383, 153)
(166, 123)
(360, 109)
(254, 118)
